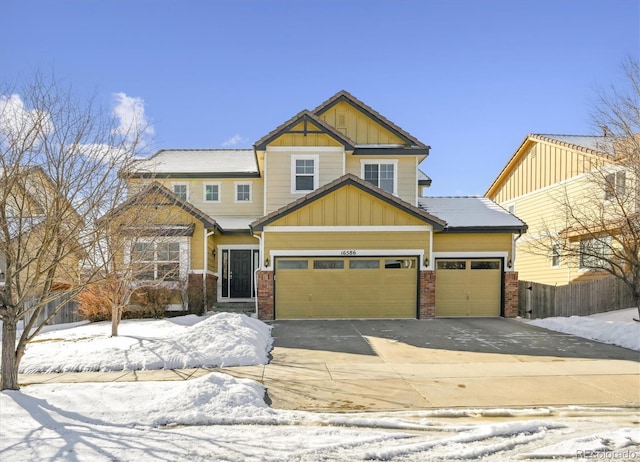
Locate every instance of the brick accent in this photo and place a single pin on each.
(510, 294)
(427, 295)
(265, 296)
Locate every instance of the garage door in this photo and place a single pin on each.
(329, 287)
(468, 287)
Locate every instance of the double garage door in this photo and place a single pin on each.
(346, 287)
(468, 287)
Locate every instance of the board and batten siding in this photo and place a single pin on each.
(279, 172)
(543, 165)
(357, 126)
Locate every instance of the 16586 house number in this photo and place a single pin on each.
(348, 253)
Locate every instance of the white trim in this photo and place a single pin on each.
(220, 248)
(185, 250)
(379, 162)
(235, 191)
(305, 149)
(335, 229)
(472, 255)
(264, 189)
(180, 183)
(341, 253)
(204, 192)
(316, 172)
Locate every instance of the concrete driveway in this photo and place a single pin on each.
(346, 365)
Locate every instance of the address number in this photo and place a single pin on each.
(347, 253)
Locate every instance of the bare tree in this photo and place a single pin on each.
(599, 229)
(59, 163)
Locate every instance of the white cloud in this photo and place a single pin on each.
(235, 140)
(17, 121)
(131, 118)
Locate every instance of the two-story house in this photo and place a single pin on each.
(571, 191)
(325, 218)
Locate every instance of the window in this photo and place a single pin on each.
(212, 192)
(364, 264)
(180, 190)
(328, 264)
(304, 173)
(243, 192)
(399, 264)
(451, 265)
(293, 264)
(594, 251)
(556, 249)
(485, 265)
(381, 174)
(156, 260)
(615, 185)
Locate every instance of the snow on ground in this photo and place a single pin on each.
(223, 339)
(218, 417)
(615, 327)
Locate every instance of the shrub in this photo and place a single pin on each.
(151, 302)
(95, 302)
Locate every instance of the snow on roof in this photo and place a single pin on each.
(470, 212)
(235, 223)
(200, 161)
(595, 143)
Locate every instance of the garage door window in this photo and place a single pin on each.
(328, 264)
(452, 264)
(399, 264)
(293, 264)
(364, 264)
(485, 265)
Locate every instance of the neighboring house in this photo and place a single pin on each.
(546, 173)
(324, 218)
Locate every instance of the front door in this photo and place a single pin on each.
(240, 273)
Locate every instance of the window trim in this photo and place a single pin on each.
(204, 192)
(184, 258)
(605, 246)
(379, 162)
(556, 255)
(235, 192)
(316, 172)
(180, 183)
(615, 187)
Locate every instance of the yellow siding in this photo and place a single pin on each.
(357, 126)
(227, 205)
(407, 173)
(543, 165)
(279, 174)
(348, 206)
(472, 242)
(346, 240)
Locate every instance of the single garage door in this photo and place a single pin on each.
(468, 287)
(340, 287)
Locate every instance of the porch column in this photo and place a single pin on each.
(427, 294)
(266, 304)
(510, 294)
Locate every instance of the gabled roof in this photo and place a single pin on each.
(348, 179)
(156, 188)
(423, 178)
(305, 117)
(200, 163)
(600, 146)
(370, 112)
(472, 214)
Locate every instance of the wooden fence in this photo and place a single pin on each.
(68, 312)
(577, 299)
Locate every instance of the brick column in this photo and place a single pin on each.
(510, 294)
(427, 295)
(265, 296)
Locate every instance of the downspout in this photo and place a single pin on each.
(513, 250)
(255, 273)
(206, 268)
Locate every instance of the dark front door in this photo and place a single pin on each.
(240, 273)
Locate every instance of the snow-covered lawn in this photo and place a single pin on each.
(218, 417)
(615, 327)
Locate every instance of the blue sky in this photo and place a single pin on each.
(469, 78)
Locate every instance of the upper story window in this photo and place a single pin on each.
(556, 251)
(181, 190)
(212, 192)
(383, 174)
(594, 252)
(614, 185)
(243, 192)
(304, 174)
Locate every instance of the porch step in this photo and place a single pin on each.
(247, 308)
